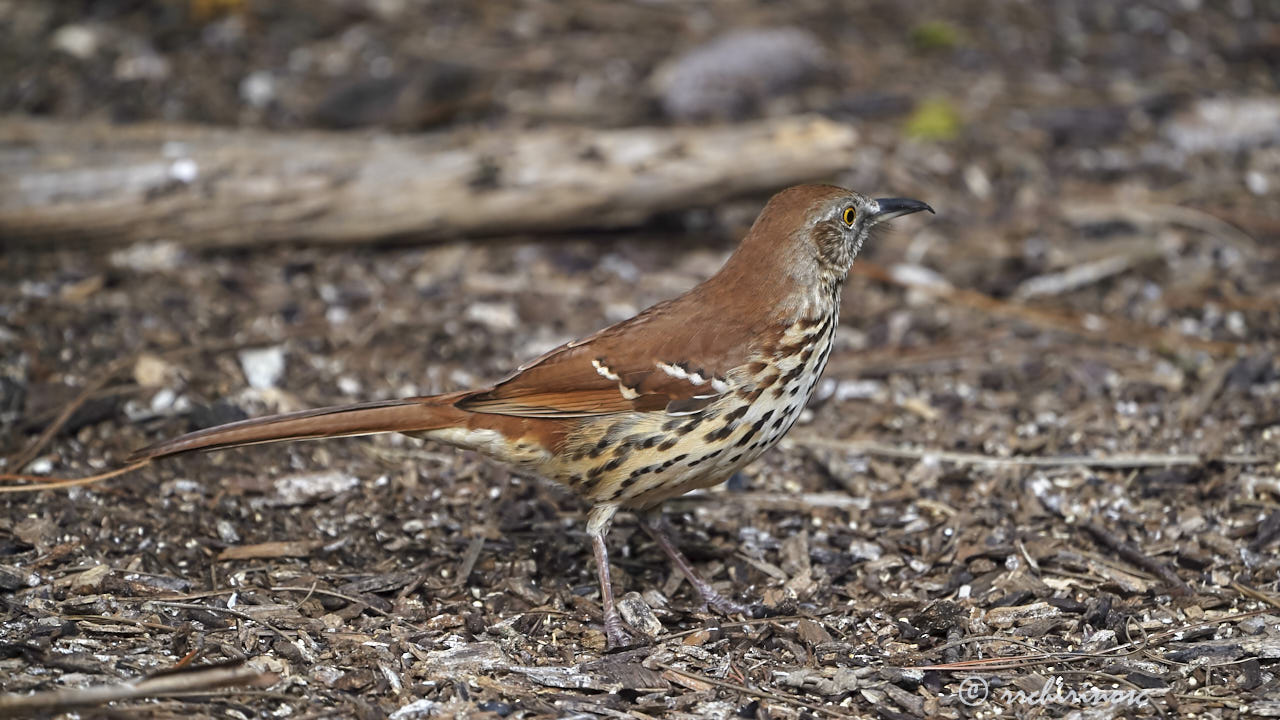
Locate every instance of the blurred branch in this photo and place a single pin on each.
(199, 680)
(100, 184)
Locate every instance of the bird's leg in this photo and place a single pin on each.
(597, 527)
(653, 524)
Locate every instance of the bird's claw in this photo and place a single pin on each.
(615, 634)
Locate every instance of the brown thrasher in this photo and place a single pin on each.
(678, 397)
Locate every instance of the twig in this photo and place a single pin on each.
(20, 460)
(39, 482)
(1043, 657)
(766, 694)
(317, 591)
(1255, 593)
(54, 700)
(469, 559)
(1122, 460)
(224, 611)
(1133, 554)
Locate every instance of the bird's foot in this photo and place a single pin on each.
(721, 604)
(614, 632)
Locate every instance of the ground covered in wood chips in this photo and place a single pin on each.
(1040, 479)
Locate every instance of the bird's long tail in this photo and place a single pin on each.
(409, 415)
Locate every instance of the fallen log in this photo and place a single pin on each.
(103, 185)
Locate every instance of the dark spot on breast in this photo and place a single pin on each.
(757, 367)
(673, 461)
(767, 381)
(730, 424)
(690, 426)
(600, 447)
(755, 428)
(615, 463)
(669, 425)
(735, 458)
(668, 444)
(793, 373)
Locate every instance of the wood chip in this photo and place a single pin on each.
(276, 549)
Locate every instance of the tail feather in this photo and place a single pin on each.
(411, 415)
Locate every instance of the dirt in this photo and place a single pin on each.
(1046, 443)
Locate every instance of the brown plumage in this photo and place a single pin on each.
(676, 398)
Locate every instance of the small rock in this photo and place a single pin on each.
(938, 617)
(143, 64)
(862, 550)
(89, 581)
(424, 708)
(258, 89)
(326, 674)
(300, 489)
(1258, 624)
(148, 257)
(79, 41)
(1005, 617)
(38, 532)
(1257, 183)
(1226, 124)
(698, 638)
(227, 532)
(638, 614)
(163, 401)
(1099, 641)
(12, 578)
(811, 633)
(495, 316)
(467, 658)
(262, 367)
(150, 371)
(735, 73)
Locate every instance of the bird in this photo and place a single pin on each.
(677, 398)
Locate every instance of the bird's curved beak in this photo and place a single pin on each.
(891, 208)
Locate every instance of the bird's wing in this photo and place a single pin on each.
(656, 361)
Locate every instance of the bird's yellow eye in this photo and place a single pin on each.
(849, 216)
